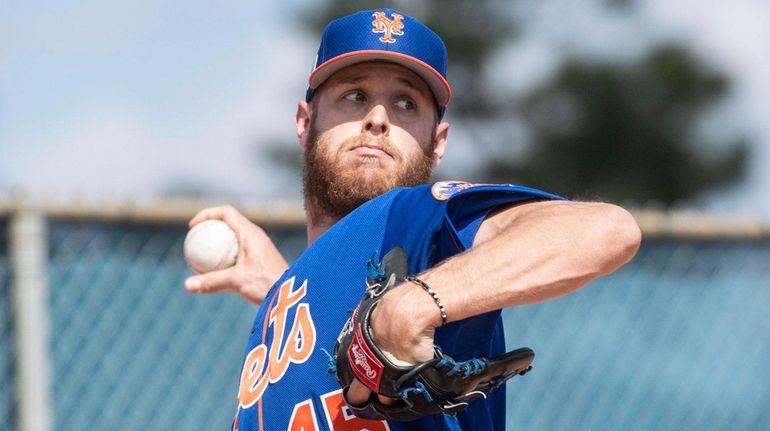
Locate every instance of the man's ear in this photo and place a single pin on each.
(302, 121)
(439, 143)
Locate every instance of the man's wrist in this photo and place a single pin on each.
(402, 319)
(423, 313)
(426, 287)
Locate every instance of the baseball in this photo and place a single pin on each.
(210, 246)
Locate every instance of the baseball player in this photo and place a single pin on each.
(371, 130)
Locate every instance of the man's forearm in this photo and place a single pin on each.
(525, 255)
(548, 250)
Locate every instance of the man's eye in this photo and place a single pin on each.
(406, 105)
(356, 96)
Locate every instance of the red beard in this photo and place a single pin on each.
(334, 190)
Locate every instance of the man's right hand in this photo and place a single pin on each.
(258, 265)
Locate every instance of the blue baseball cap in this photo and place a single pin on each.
(385, 35)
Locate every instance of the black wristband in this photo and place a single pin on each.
(430, 291)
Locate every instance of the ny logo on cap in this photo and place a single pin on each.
(388, 27)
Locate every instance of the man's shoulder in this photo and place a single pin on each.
(413, 197)
(411, 202)
(438, 191)
(437, 195)
(446, 189)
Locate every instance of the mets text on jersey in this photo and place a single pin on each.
(262, 367)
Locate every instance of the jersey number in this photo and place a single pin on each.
(338, 416)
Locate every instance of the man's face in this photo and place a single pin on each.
(373, 127)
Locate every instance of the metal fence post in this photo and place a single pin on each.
(29, 291)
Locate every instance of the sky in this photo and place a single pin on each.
(126, 100)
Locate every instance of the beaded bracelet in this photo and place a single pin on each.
(430, 291)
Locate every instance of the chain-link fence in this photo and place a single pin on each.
(129, 342)
(674, 340)
(6, 349)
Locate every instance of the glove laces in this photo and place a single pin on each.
(374, 269)
(469, 368)
(331, 363)
(418, 388)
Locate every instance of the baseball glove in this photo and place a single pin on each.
(440, 385)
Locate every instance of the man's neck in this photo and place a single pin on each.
(317, 225)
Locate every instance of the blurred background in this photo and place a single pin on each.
(119, 120)
(629, 100)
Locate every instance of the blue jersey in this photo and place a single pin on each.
(284, 383)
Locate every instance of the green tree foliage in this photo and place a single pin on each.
(625, 132)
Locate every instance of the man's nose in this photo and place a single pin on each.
(376, 121)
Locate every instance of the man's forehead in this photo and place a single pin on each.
(361, 72)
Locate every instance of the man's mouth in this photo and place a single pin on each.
(370, 150)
